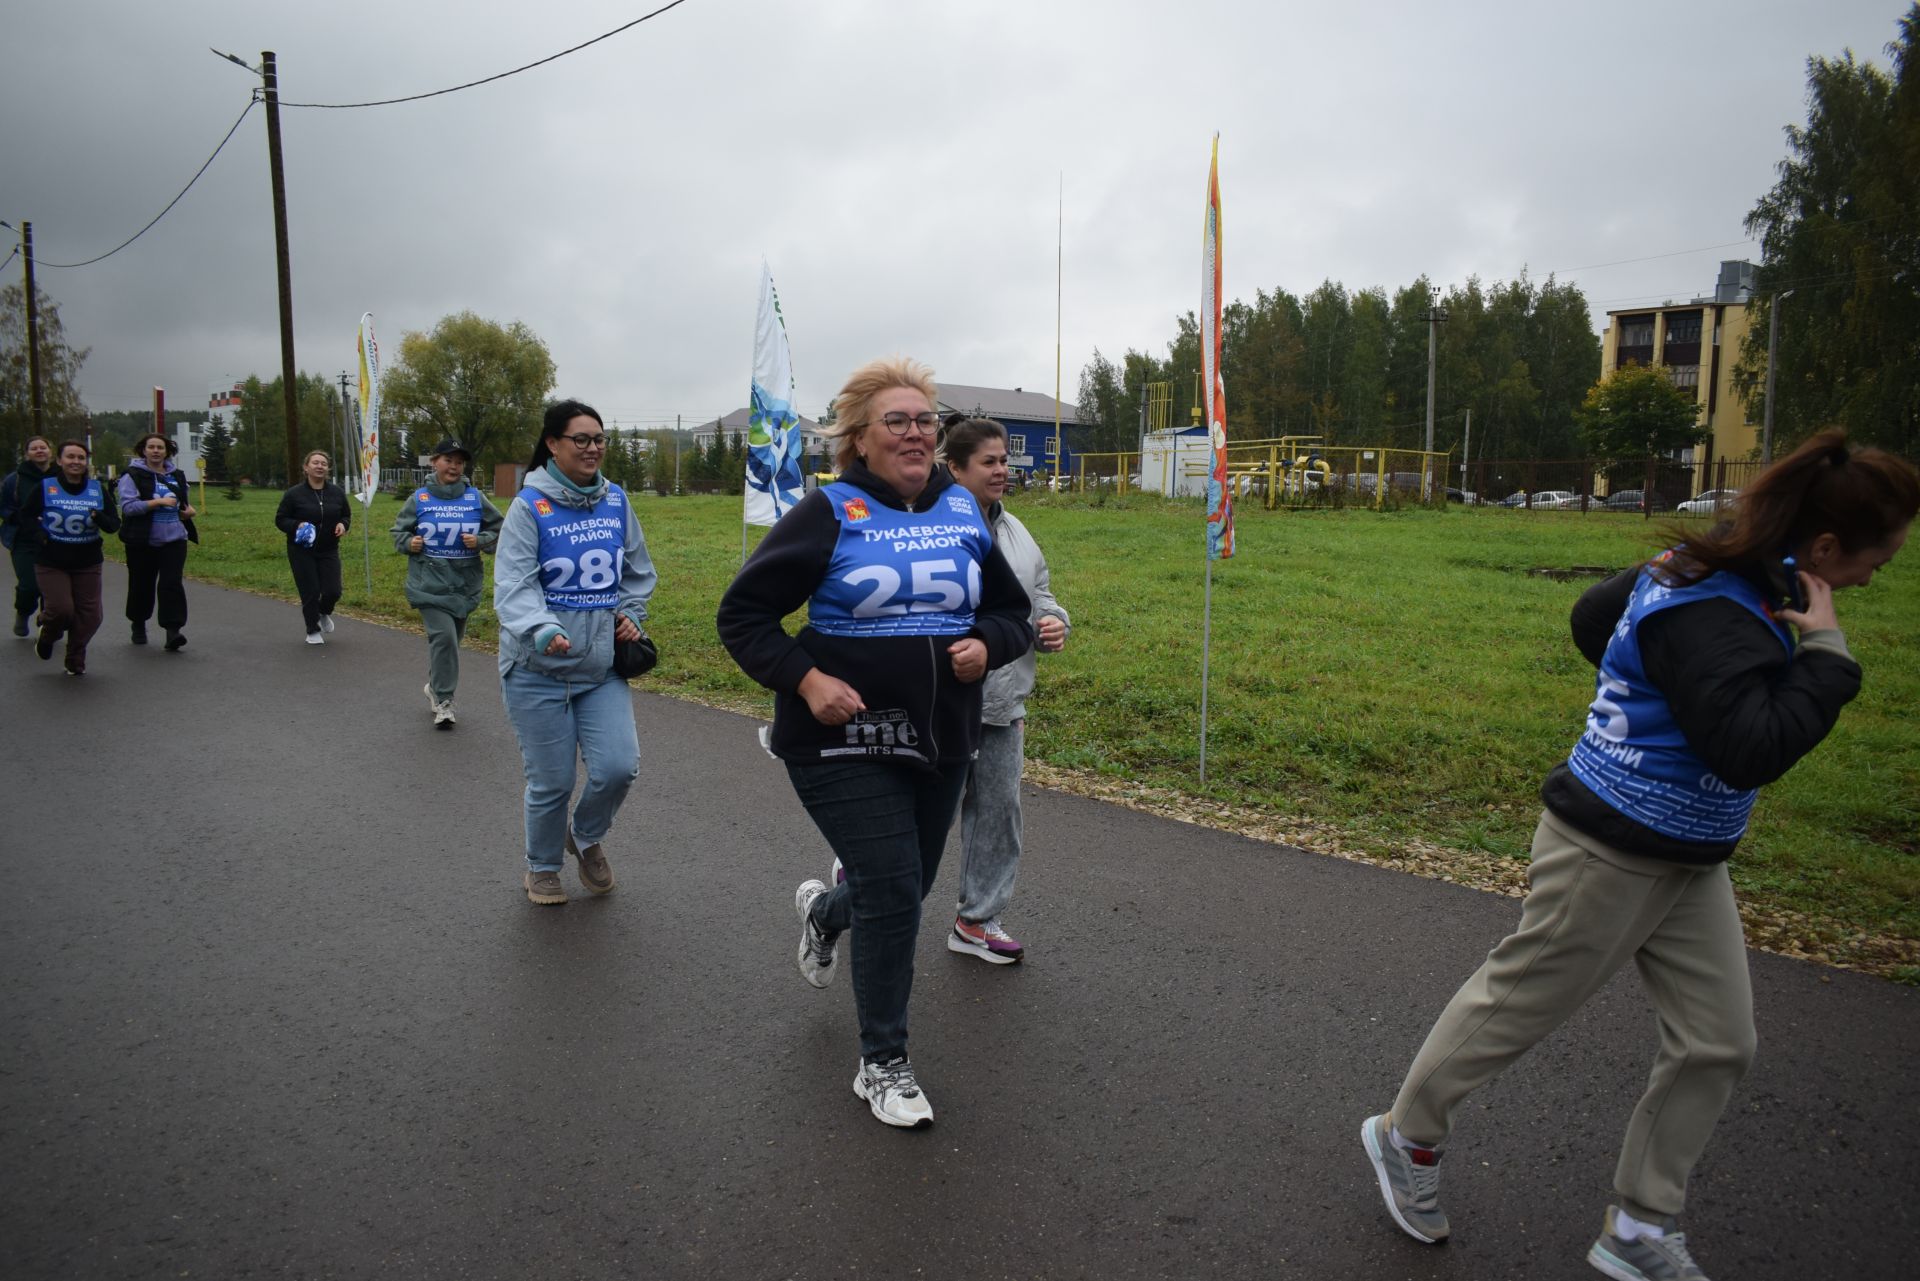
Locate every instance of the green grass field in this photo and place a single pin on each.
(1396, 674)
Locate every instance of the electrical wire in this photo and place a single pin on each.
(10, 257)
(1678, 253)
(471, 84)
(170, 204)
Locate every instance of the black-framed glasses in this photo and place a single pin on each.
(584, 441)
(896, 422)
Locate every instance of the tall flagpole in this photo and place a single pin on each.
(1059, 292)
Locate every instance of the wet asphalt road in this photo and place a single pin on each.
(275, 1006)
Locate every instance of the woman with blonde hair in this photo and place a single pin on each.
(877, 714)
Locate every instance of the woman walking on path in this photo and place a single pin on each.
(156, 522)
(443, 528)
(975, 450)
(1703, 697)
(877, 714)
(36, 464)
(571, 580)
(65, 514)
(315, 515)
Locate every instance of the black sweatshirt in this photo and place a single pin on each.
(903, 680)
(1746, 707)
(323, 508)
(58, 555)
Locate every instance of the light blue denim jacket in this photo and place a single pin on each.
(527, 626)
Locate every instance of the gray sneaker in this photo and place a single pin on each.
(1662, 1258)
(1409, 1182)
(595, 872)
(545, 888)
(818, 959)
(894, 1094)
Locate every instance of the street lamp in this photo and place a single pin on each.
(1773, 341)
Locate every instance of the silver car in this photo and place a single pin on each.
(1710, 502)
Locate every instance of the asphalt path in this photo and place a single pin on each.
(276, 1006)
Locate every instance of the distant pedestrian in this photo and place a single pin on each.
(571, 581)
(156, 523)
(315, 515)
(1704, 696)
(975, 450)
(877, 713)
(66, 513)
(443, 528)
(36, 464)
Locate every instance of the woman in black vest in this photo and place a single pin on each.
(156, 523)
(315, 515)
(21, 547)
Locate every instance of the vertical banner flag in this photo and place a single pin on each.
(773, 429)
(369, 411)
(1219, 498)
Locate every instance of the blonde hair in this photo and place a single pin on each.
(312, 454)
(853, 406)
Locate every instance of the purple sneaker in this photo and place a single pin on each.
(985, 940)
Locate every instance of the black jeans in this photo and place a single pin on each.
(26, 585)
(888, 825)
(149, 567)
(317, 575)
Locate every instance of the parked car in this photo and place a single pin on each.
(1518, 498)
(1457, 495)
(1636, 500)
(1710, 502)
(1555, 500)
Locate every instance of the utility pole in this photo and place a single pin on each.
(270, 74)
(1773, 342)
(676, 454)
(1466, 444)
(33, 335)
(1436, 316)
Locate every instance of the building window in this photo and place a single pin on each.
(1683, 327)
(1686, 377)
(1016, 444)
(1637, 331)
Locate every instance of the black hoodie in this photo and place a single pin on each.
(903, 680)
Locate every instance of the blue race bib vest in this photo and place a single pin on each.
(442, 521)
(172, 483)
(1632, 755)
(66, 516)
(897, 573)
(582, 550)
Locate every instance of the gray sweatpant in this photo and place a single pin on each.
(444, 631)
(1589, 909)
(990, 823)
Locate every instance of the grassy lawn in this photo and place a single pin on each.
(1394, 674)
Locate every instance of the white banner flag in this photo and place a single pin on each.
(773, 429)
(369, 411)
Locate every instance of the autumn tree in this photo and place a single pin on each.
(64, 414)
(483, 383)
(1637, 412)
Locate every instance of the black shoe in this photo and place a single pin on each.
(176, 639)
(139, 633)
(20, 626)
(43, 644)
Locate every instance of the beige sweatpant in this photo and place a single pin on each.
(1589, 908)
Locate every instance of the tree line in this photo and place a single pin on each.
(1351, 368)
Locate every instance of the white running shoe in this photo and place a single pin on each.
(818, 960)
(315, 638)
(326, 622)
(442, 712)
(893, 1093)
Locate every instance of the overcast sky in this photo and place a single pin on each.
(896, 162)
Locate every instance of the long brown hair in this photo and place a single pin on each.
(1863, 497)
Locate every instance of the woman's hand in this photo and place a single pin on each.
(626, 629)
(167, 500)
(831, 700)
(416, 543)
(469, 541)
(188, 511)
(339, 530)
(969, 659)
(558, 646)
(1818, 615)
(1053, 634)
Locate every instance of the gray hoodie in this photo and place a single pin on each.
(526, 624)
(1004, 698)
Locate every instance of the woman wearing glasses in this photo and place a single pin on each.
(572, 577)
(877, 714)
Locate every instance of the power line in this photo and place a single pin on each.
(170, 204)
(1677, 253)
(10, 257)
(471, 84)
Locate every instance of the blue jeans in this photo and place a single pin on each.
(990, 823)
(888, 825)
(552, 719)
